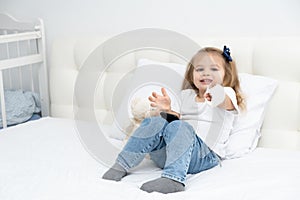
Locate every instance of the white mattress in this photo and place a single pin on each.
(44, 159)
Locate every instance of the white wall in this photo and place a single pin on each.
(256, 17)
(190, 17)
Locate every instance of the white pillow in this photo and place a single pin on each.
(258, 91)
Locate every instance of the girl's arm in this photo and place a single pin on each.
(227, 104)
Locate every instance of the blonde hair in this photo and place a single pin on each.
(230, 78)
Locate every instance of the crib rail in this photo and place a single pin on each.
(25, 60)
(2, 101)
(20, 37)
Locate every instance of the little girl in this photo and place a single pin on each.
(210, 101)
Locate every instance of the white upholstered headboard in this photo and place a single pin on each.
(278, 58)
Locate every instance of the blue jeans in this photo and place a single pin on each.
(174, 147)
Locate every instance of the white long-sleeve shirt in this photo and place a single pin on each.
(212, 124)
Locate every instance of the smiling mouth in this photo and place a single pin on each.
(206, 81)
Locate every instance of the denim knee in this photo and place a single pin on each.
(150, 127)
(180, 128)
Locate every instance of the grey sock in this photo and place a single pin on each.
(163, 185)
(116, 173)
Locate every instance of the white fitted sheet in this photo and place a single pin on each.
(44, 159)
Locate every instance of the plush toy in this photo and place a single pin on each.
(140, 109)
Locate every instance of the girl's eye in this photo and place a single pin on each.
(214, 69)
(199, 69)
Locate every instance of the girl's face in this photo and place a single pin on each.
(208, 69)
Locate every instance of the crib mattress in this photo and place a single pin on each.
(44, 159)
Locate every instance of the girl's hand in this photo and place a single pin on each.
(216, 96)
(161, 102)
(207, 96)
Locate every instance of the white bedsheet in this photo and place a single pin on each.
(44, 159)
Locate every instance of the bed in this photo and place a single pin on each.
(48, 161)
(64, 155)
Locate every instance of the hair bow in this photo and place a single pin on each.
(226, 54)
